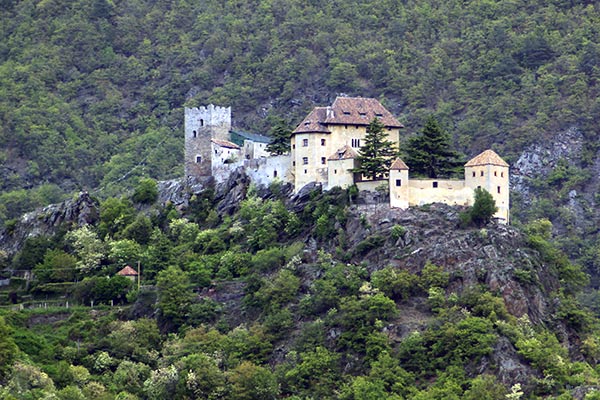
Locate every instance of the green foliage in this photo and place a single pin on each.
(174, 297)
(395, 283)
(377, 153)
(430, 153)
(280, 137)
(483, 209)
(8, 350)
(146, 192)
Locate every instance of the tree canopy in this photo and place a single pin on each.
(377, 154)
(430, 153)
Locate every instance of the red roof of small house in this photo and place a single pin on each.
(347, 111)
(488, 157)
(225, 143)
(127, 271)
(398, 164)
(345, 153)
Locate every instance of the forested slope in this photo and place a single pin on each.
(260, 296)
(91, 88)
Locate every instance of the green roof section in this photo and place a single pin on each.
(238, 137)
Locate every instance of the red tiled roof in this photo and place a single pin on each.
(398, 164)
(488, 157)
(347, 111)
(360, 111)
(313, 123)
(225, 143)
(345, 153)
(127, 271)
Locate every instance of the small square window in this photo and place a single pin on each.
(435, 184)
(398, 182)
(323, 160)
(198, 159)
(305, 142)
(305, 160)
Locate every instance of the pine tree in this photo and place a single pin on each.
(377, 154)
(429, 153)
(484, 207)
(280, 133)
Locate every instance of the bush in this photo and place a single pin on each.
(146, 192)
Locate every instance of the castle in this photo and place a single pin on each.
(324, 147)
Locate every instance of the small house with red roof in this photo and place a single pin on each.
(128, 272)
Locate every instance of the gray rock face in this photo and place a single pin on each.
(76, 212)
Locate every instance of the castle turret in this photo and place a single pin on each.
(203, 124)
(490, 172)
(399, 189)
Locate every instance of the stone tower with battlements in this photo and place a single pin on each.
(201, 125)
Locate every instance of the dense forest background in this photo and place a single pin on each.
(92, 91)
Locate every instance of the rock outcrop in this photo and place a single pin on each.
(76, 212)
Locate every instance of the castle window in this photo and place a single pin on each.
(323, 160)
(305, 171)
(294, 146)
(362, 114)
(355, 142)
(305, 160)
(502, 174)
(346, 112)
(293, 163)
(478, 187)
(198, 159)
(335, 171)
(498, 189)
(345, 126)
(201, 122)
(305, 142)
(495, 173)
(378, 115)
(398, 182)
(435, 184)
(275, 174)
(474, 174)
(481, 173)
(322, 142)
(195, 134)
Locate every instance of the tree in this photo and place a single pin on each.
(174, 296)
(429, 153)
(8, 350)
(483, 208)
(280, 133)
(146, 192)
(376, 156)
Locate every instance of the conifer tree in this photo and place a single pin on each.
(377, 154)
(429, 154)
(280, 134)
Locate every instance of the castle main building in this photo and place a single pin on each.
(324, 148)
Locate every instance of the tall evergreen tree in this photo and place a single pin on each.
(430, 154)
(280, 133)
(377, 154)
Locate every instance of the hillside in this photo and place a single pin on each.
(249, 294)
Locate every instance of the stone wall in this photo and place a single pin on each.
(200, 126)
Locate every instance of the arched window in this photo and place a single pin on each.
(275, 174)
(201, 122)
(195, 134)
